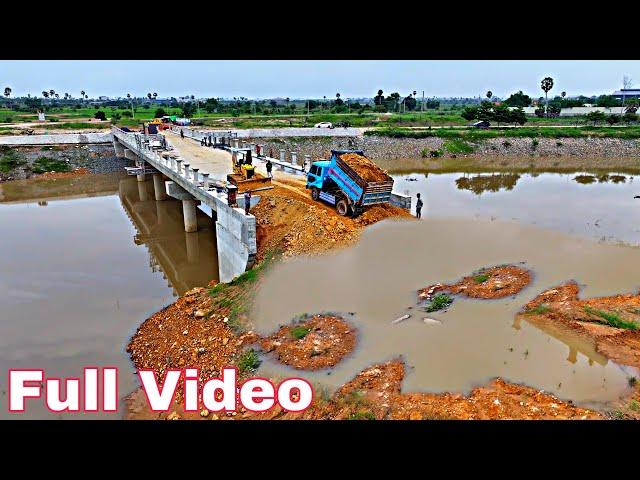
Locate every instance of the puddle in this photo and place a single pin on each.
(77, 276)
(477, 339)
(597, 206)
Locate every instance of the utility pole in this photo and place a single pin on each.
(422, 106)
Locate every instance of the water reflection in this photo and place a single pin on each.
(495, 182)
(604, 178)
(186, 260)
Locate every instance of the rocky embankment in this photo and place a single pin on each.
(17, 163)
(380, 148)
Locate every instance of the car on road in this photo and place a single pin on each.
(324, 125)
(481, 124)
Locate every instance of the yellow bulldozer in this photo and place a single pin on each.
(244, 174)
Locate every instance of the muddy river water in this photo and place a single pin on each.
(84, 261)
(472, 221)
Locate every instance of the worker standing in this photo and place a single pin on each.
(181, 133)
(269, 167)
(419, 207)
(247, 202)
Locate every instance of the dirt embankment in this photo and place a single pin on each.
(321, 341)
(611, 323)
(487, 283)
(288, 220)
(58, 161)
(375, 394)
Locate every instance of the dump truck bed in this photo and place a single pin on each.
(359, 178)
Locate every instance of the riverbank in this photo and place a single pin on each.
(219, 329)
(19, 163)
(455, 154)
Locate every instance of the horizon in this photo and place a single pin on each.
(303, 79)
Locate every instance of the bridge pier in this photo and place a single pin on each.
(190, 216)
(118, 148)
(158, 187)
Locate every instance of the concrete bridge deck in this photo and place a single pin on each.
(174, 175)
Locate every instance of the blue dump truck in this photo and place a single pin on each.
(349, 181)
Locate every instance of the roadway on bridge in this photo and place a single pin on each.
(214, 161)
(217, 162)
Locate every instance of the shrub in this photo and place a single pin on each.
(44, 164)
(439, 302)
(248, 360)
(100, 115)
(299, 332)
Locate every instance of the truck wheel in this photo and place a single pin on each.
(342, 207)
(315, 194)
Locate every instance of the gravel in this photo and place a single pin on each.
(379, 148)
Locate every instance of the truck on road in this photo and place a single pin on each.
(349, 181)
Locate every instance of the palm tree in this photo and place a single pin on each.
(82, 93)
(133, 113)
(7, 92)
(337, 95)
(546, 85)
(489, 94)
(52, 92)
(149, 96)
(155, 95)
(45, 94)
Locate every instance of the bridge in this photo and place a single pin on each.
(189, 170)
(184, 178)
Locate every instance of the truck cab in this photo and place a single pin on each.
(317, 174)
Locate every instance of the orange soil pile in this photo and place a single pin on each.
(487, 283)
(365, 168)
(287, 219)
(73, 173)
(187, 333)
(327, 341)
(585, 317)
(375, 394)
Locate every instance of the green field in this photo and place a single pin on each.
(629, 132)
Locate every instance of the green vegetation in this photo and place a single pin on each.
(458, 145)
(439, 302)
(80, 125)
(483, 277)
(44, 164)
(362, 415)
(248, 361)
(10, 159)
(539, 309)
(521, 132)
(299, 332)
(234, 297)
(612, 319)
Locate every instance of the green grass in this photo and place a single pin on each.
(630, 132)
(458, 146)
(539, 309)
(248, 361)
(44, 164)
(612, 319)
(365, 415)
(299, 332)
(10, 159)
(439, 302)
(483, 277)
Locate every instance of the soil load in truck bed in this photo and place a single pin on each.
(365, 168)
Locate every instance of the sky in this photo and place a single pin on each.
(313, 78)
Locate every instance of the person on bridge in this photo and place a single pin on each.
(269, 168)
(247, 202)
(419, 207)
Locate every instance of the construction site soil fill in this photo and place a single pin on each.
(475, 340)
(77, 276)
(600, 206)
